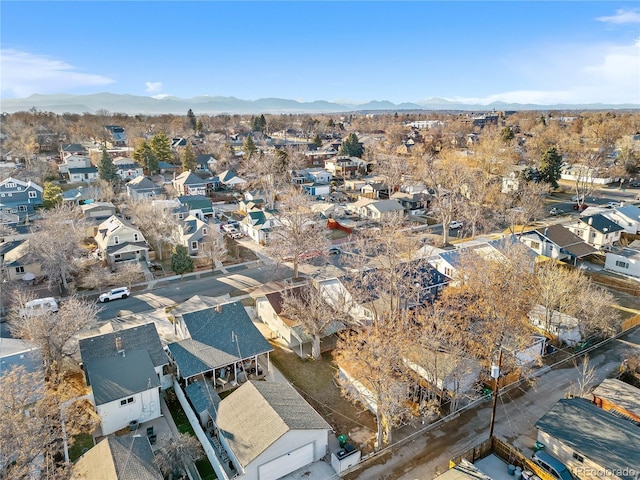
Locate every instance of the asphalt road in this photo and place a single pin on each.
(236, 283)
(428, 454)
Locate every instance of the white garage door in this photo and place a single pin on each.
(286, 464)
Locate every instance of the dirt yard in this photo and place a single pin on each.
(315, 382)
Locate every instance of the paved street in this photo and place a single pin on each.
(428, 454)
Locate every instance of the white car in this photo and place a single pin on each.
(455, 225)
(613, 204)
(575, 198)
(114, 294)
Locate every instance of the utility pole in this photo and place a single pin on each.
(495, 373)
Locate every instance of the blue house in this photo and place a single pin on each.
(20, 198)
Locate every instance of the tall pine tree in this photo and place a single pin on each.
(181, 262)
(550, 165)
(351, 146)
(107, 170)
(161, 147)
(191, 118)
(188, 158)
(144, 155)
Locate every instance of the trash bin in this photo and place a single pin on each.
(342, 440)
(518, 473)
(511, 469)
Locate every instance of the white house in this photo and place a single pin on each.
(125, 370)
(258, 224)
(84, 174)
(127, 168)
(564, 327)
(269, 430)
(119, 242)
(627, 216)
(74, 161)
(597, 230)
(625, 261)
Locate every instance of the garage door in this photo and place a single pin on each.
(286, 464)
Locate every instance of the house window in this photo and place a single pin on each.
(136, 237)
(22, 208)
(125, 401)
(20, 269)
(622, 264)
(11, 185)
(535, 245)
(578, 457)
(116, 240)
(194, 245)
(205, 231)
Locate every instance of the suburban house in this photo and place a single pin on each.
(562, 327)
(268, 430)
(627, 216)
(586, 174)
(74, 161)
(199, 206)
(142, 187)
(20, 198)
(79, 195)
(15, 261)
(313, 175)
(597, 230)
(375, 190)
(623, 260)
(166, 167)
(188, 183)
(205, 162)
(125, 370)
(192, 232)
(381, 210)
(118, 135)
(219, 344)
(127, 168)
(618, 398)
(98, 210)
(258, 224)
(118, 458)
(345, 167)
(84, 174)
(316, 189)
(557, 242)
(230, 179)
(66, 150)
(270, 310)
(413, 203)
(511, 181)
(587, 438)
(119, 242)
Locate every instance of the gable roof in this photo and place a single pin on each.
(281, 408)
(140, 182)
(118, 458)
(566, 240)
(140, 337)
(593, 433)
(220, 336)
(188, 178)
(620, 394)
(205, 158)
(203, 397)
(197, 202)
(384, 206)
(73, 147)
(120, 376)
(601, 223)
(26, 185)
(630, 211)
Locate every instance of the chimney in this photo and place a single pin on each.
(546, 232)
(218, 308)
(590, 221)
(119, 345)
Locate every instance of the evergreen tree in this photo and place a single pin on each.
(199, 126)
(106, 169)
(507, 134)
(51, 195)
(317, 141)
(144, 156)
(351, 146)
(191, 118)
(549, 168)
(258, 124)
(249, 147)
(181, 262)
(188, 158)
(161, 148)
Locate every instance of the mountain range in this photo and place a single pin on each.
(132, 105)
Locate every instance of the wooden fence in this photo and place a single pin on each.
(630, 323)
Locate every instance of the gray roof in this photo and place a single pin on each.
(118, 458)
(594, 433)
(630, 211)
(84, 170)
(568, 241)
(211, 345)
(120, 376)
(141, 183)
(140, 337)
(281, 409)
(601, 223)
(30, 360)
(384, 206)
(203, 397)
(620, 394)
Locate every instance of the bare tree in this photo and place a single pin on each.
(156, 221)
(586, 378)
(55, 242)
(307, 306)
(128, 273)
(212, 247)
(170, 458)
(94, 276)
(54, 333)
(296, 234)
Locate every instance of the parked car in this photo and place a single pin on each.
(613, 204)
(229, 228)
(580, 207)
(455, 225)
(555, 211)
(334, 251)
(575, 198)
(39, 306)
(552, 465)
(114, 294)
(635, 184)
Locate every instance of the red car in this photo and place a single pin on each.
(580, 207)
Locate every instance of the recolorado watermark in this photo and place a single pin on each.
(627, 472)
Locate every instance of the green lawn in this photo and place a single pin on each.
(182, 422)
(205, 469)
(84, 440)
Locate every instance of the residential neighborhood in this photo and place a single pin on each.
(312, 300)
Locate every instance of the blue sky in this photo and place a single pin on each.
(515, 51)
